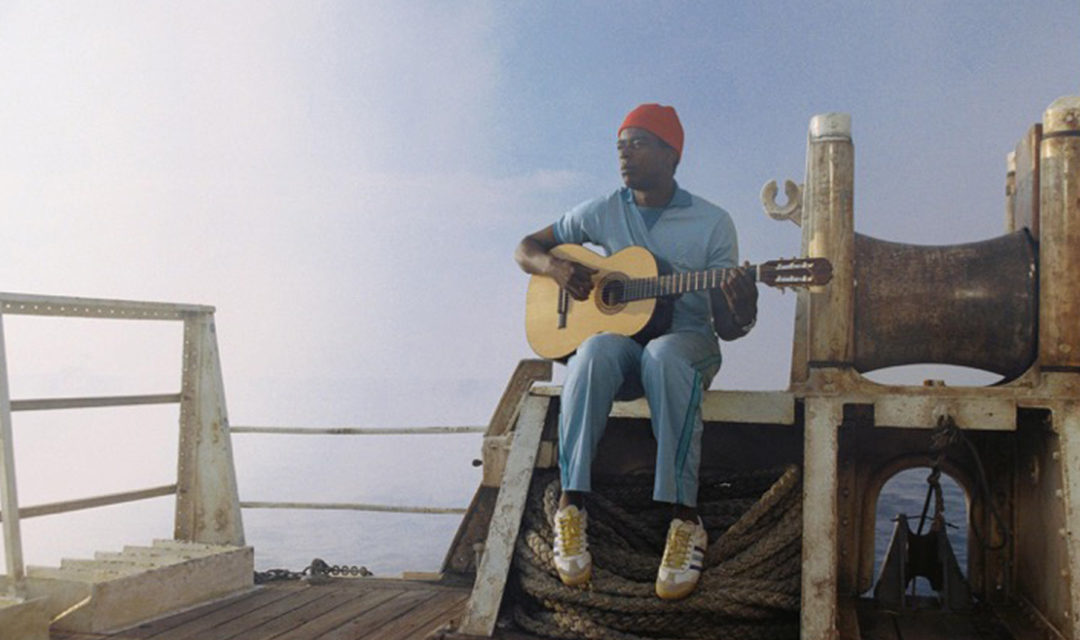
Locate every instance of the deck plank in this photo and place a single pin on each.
(418, 624)
(366, 625)
(203, 627)
(325, 600)
(341, 615)
(196, 618)
(251, 621)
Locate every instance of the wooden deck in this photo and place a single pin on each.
(343, 609)
(387, 609)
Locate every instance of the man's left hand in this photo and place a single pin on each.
(741, 294)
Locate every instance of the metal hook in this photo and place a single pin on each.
(790, 211)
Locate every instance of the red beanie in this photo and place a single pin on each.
(659, 120)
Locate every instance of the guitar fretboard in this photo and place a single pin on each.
(677, 283)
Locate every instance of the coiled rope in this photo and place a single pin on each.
(748, 590)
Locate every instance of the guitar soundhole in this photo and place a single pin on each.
(611, 292)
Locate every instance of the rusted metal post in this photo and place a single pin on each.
(1067, 422)
(1059, 251)
(207, 500)
(1059, 308)
(829, 221)
(819, 543)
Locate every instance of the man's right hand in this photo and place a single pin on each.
(534, 256)
(576, 278)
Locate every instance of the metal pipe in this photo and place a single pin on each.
(353, 506)
(46, 404)
(350, 431)
(9, 496)
(67, 506)
(830, 186)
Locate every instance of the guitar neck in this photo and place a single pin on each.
(678, 283)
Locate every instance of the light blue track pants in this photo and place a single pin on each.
(672, 371)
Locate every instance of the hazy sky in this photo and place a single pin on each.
(346, 181)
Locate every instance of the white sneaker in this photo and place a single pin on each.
(572, 558)
(684, 557)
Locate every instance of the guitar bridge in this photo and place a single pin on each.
(564, 307)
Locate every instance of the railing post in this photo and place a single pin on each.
(207, 499)
(9, 497)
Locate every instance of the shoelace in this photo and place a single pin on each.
(677, 550)
(570, 533)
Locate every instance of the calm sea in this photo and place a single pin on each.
(403, 470)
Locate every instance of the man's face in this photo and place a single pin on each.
(645, 162)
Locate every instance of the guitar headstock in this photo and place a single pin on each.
(795, 272)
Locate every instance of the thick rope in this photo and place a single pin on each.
(749, 588)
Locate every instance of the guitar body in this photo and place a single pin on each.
(632, 297)
(642, 319)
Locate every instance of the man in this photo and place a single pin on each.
(688, 234)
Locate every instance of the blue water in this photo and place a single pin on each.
(905, 493)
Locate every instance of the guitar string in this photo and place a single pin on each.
(689, 281)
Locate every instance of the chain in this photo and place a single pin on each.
(946, 434)
(318, 572)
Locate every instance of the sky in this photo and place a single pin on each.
(346, 182)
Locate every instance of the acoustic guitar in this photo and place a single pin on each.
(632, 297)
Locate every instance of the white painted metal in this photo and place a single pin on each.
(99, 596)
(352, 506)
(792, 210)
(1067, 421)
(830, 126)
(819, 544)
(207, 501)
(37, 305)
(829, 217)
(1059, 235)
(970, 410)
(24, 619)
(47, 404)
(95, 501)
(351, 431)
(494, 565)
(1010, 192)
(748, 407)
(9, 500)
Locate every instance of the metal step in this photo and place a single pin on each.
(24, 619)
(120, 589)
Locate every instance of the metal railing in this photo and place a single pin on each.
(353, 431)
(527, 372)
(200, 378)
(205, 449)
